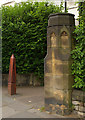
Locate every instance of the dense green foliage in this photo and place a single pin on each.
(24, 34)
(78, 54)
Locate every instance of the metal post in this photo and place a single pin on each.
(65, 5)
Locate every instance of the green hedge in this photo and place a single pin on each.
(24, 31)
(78, 54)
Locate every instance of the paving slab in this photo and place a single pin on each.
(25, 114)
(44, 114)
(33, 113)
(0, 113)
(26, 104)
(7, 111)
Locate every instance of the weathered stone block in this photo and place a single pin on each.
(58, 81)
(81, 114)
(48, 92)
(66, 69)
(52, 29)
(65, 41)
(76, 102)
(63, 96)
(48, 41)
(52, 37)
(78, 95)
(76, 108)
(57, 69)
(48, 58)
(48, 80)
(46, 107)
(67, 81)
(64, 54)
(56, 19)
(56, 53)
(75, 112)
(81, 104)
(51, 101)
(58, 95)
(54, 40)
(81, 108)
(48, 67)
(62, 82)
(84, 104)
(67, 95)
(53, 107)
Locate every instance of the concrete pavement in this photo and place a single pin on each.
(27, 103)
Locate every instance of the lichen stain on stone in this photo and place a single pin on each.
(59, 62)
(53, 40)
(58, 94)
(50, 105)
(49, 62)
(53, 108)
(64, 40)
(57, 106)
(53, 62)
(62, 107)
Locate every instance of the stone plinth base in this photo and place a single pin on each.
(12, 88)
(58, 109)
(58, 106)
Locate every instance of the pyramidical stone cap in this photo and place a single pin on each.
(60, 19)
(54, 14)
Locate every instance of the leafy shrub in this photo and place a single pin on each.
(24, 29)
(78, 54)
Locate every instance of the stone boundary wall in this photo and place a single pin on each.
(22, 80)
(78, 101)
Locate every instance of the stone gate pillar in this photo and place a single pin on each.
(57, 63)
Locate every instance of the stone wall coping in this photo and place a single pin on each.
(22, 80)
(79, 92)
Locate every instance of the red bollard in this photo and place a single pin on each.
(12, 76)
